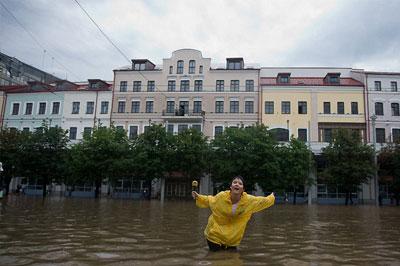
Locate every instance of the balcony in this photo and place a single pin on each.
(183, 115)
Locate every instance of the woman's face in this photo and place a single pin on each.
(237, 186)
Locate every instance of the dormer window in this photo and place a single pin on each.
(283, 78)
(93, 85)
(234, 63)
(142, 64)
(332, 78)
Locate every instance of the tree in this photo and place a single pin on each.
(191, 149)
(10, 155)
(44, 154)
(349, 161)
(295, 169)
(153, 152)
(389, 164)
(248, 152)
(98, 157)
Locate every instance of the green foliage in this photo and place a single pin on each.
(350, 162)
(99, 156)
(389, 164)
(191, 149)
(249, 152)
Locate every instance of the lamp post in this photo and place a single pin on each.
(376, 184)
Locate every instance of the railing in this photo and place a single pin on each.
(182, 112)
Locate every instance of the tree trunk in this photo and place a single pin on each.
(7, 180)
(97, 189)
(294, 196)
(44, 188)
(351, 199)
(347, 198)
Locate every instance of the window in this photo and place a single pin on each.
(137, 86)
(327, 107)
(340, 108)
(326, 135)
(170, 128)
(149, 106)
(185, 85)
(220, 85)
(234, 85)
(183, 107)
(269, 107)
(198, 85)
(171, 85)
(396, 135)
(179, 67)
(354, 108)
(249, 85)
(170, 107)
(89, 107)
(218, 130)
(380, 135)
(171, 69)
(378, 108)
(123, 86)
(285, 107)
(393, 85)
(182, 128)
(378, 86)
(104, 107)
(135, 108)
(197, 127)
(121, 106)
(42, 108)
(28, 108)
(219, 107)
(25, 129)
(249, 107)
(395, 109)
(56, 108)
(139, 66)
(133, 132)
(192, 67)
(15, 109)
(234, 65)
(283, 78)
(302, 134)
(151, 85)
(302, 108)
(197, 107)
(201, 70)
(75, 107)
(234, 106)
(333, 79)
(87, 131)
(72, 132)
(280, 134)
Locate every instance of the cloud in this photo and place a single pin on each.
(272, 33)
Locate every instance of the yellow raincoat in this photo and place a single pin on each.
(225, 228)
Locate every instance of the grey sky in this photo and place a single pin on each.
(361, 34)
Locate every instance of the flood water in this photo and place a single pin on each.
(65, 231)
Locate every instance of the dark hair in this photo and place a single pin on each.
(240, 178)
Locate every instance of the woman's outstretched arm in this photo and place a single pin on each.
(202, 201)
(261, 203)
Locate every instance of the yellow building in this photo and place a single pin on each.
(310, 103)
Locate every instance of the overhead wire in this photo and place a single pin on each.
(36, 40)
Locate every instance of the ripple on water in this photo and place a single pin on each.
(10, 260)
(57, 255)
(104, 255)
(121, 240)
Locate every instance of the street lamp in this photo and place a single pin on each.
(376, 184)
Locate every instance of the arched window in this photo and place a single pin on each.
(179, 67)
(192, 67)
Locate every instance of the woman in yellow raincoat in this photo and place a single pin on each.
(230, 212)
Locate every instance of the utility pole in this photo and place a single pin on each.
(376, 183)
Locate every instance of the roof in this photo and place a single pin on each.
(34, 87)
(309, 81)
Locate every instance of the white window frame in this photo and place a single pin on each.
(33, 108)
(12, 107)
(59, 107)
(38, 107)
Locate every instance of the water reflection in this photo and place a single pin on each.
(67, 231)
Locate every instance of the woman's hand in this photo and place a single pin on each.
(195, 194)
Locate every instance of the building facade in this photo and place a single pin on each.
(310, 103)
(73, 107)
(185, 92)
